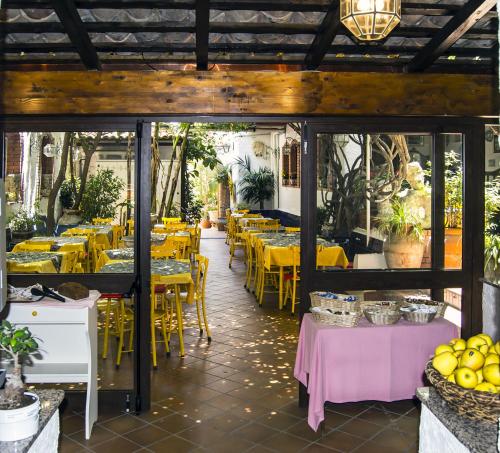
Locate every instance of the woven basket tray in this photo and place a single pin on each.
(440, 306)
(336, 304)
(480, 406)
(418, 317)
(382, 317)
(345, 319)
(383, 304)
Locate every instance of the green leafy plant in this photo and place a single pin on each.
(492, 252)
(22, 221)
(255, 186)
(67, 193)
(15, 343)
(400, 222)
(453, 177)
(101, 195)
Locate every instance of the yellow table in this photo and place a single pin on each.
(41, 264)
(101, 233)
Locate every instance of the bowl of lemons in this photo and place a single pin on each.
(466, 373)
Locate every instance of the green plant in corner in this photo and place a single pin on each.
(15, 343)
(400, 223)
(101, 195)
(453, 177)
(256, 186)
(22, 221)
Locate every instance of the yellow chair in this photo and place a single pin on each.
(108, 304)
(199, 294)
(161, 313)
(251, 262)
(264, 277)
(33, 246)
(292, 278)
(166, 250)
(167, 220)
(118, 233)
(238, 242)
(96, 250)
(102, 221)
(130, 227)
(292, 229)
(125, 317)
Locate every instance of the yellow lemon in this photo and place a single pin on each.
(475, 342)
(442, 348)
(492, 350)
(458, 353)
(472, 358)
(491, 358)
(451, 378)
(491, 373)
(466, 378)
(486, 387)
(486, 338)
(483, 349)
(479, 374)
(458, 344)
(445, 363)
(497, 347)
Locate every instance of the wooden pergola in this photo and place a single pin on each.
(432, 36)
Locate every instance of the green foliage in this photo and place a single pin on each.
(400, 222)
(201, 148)
(101, 195)
(16, 342)
(256, 186)
(22, 221)
(453, 177)
(492, 252)
(67, 193)
(223, 174)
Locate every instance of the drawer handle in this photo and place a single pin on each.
(34, 313)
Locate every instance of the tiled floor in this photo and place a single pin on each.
(238, 393)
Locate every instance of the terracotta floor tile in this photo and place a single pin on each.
(117, 445)
(284, 442)
(394, 439)
(123, 424)
(173, 444)
(147, 435)
(67, 445)
(361, 428)
(255, 432)
(229, 444)
(175, 423)
(380, 416)
(99, 435)
(72, 424)
(278, 420)
(341, 441)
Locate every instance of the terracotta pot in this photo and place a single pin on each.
(403, 253)
(453, 248)
(205, 223)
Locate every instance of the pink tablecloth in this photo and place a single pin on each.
(367, 362)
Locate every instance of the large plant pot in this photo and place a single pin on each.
(19, 236)
(453, 248)
(20, 423)
(70, 217)
(205, 223)
(213, 215)
(403, 253)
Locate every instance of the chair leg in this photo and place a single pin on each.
(199, 317)
(180, 327)
(131, 336)
(231, 254)
(106, 329)
(165, 336)
(294, 294)
(120, 342)
(205, 320)
(261, 288)
(153, 342)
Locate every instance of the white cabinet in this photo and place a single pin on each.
(67, 337)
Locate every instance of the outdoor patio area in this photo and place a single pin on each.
(238, 393)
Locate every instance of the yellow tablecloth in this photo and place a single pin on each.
(101, 237)
(326, 256)
(45, 266)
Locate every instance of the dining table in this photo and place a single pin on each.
(38, 262)
(364, 363)
(61, 243)
(103, 233)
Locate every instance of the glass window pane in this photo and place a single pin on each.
(374, 198)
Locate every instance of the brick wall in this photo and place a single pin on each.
(14, 153)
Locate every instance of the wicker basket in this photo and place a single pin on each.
(440, 306)
(382, 304)
(480, 406)
(382, 316)
(340, 318)
(336, 304)
(418, 317)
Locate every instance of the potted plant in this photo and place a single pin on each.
(256, 186)
(18, 409)
(22, 225)
(453, 211)
(404, 247)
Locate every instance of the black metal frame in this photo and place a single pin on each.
(436, 278)
(468, 277)
(138, 282)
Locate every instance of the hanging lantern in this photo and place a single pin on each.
(370, 20)
(51, 150)
(286, 148)
(341, 140)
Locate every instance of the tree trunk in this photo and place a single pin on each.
(261, 205)
(169, 173)
(51, 203)
(155, 165)
(177, 171)
(89, 152)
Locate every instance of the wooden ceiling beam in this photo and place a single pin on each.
(75, 29)
(448, 35)
(327, 31)
(202, 32)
